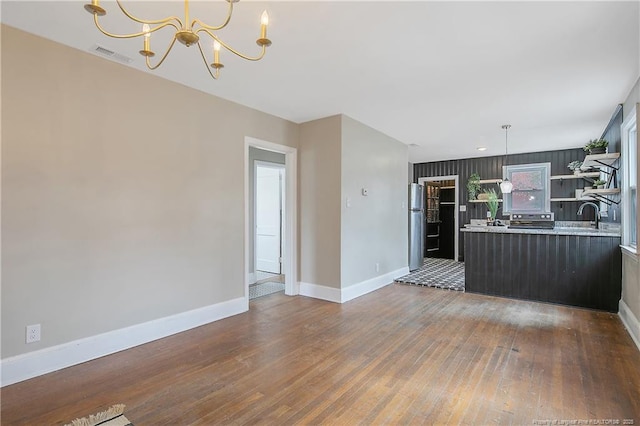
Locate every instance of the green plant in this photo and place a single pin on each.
(574, 165)
(473, 186)
(598, 182)
(492, 202)
(596, 143)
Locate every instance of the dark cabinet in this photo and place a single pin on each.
(574, 270)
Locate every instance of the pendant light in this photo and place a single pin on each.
(505, 186)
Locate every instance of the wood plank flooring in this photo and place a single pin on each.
(400, 355)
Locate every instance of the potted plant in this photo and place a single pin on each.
(492, 203)
(473, 186)
(574, 166)
(598, 184)
(596, 146)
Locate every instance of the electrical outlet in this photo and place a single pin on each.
(33, 333)
(377, 267)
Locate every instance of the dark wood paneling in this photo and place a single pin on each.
(572, 270)
(491, 167)
(613, 135)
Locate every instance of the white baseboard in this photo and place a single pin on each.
(251, 278)
(630, 322)
(320, 292)
(373, 284)
(26, 366)
(348, 293)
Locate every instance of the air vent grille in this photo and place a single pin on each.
(108, 53)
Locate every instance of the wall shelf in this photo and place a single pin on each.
(577, 176)
(605, 163)
(484, 201)
(560, 200)
(600, 160)
(605, 191)
(484, 181)
(602, 194)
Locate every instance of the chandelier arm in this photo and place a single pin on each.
(133, 35)
(153, 67)
(232, 50)
(219, 27)
(204, 59)
(143, 21)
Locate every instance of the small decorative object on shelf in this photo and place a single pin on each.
(574, 166)
(598, 184)
(473, 186)
(596, 146)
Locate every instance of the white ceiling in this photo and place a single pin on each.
(441, 75)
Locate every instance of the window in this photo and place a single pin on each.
(630, 179)
(530, 192)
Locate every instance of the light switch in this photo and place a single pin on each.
(463, 208)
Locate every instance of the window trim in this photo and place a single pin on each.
(625, 129)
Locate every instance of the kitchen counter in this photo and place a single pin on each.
(566, 265)
(569, 230)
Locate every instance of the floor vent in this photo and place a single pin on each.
(108, 53)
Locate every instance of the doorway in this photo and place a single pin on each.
(277, 239)
(269, 197)
(441, 217)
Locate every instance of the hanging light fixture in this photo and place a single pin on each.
(187, 33)
(505, 186)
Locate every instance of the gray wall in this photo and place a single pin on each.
(374, 227)
(632, 99)
(340, 245)
(319, 165)
(117, 207)
(259, 155)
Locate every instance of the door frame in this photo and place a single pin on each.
(283, 200)
(290, 254)
(456, 217)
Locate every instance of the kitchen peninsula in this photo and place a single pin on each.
(565, 265)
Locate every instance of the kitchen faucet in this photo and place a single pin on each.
(595, 206)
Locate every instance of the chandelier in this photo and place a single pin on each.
(187, 32)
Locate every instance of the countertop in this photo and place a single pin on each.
(578, 231)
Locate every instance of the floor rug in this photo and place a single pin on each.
(264, 289)
(441, 273)
(267, 276)
(114, 416)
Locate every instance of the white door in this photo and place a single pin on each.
(268, 218)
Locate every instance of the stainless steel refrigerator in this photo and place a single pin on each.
(416, 226)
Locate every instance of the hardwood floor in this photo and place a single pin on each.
(401, 355)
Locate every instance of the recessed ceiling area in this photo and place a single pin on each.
(441, 77)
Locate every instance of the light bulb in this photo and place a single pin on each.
(146, 30)
(264, 19)
(216, 46)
